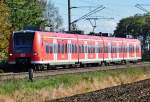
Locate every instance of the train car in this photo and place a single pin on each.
(52, 49)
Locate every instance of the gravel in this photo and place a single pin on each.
(135, 92)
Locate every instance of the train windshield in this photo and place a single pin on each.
(23, 42)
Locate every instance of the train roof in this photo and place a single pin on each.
(85, 36)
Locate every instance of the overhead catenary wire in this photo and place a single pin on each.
(101, 7)
(139, 6)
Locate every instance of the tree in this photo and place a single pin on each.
(139, 27)
(25, 13)
(51, 14)
(4, 29)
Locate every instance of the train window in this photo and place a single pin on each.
(121, 49)
(59, 48)
(76, 49)
(112, 49)
(94, 51)
(66, 48)
(70, 47)
(106, 49)
(99, 49)
(51, 48)
(63, 48)
(79, 49)
(85, 49)
(73, 48)
(82, 48)
(137, 49)
(125, 49)
(47, 49)
(55, 46)
(91, 48)
(88, 49)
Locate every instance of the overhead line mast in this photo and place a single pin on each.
(69, 15)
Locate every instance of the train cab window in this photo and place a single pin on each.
(51, 48)
(47, 49)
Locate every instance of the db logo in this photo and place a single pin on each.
(22, 55)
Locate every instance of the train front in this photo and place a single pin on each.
(21, 48)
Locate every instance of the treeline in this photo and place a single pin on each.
(139, 27)
(20, 14)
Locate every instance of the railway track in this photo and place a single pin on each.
(45, 74)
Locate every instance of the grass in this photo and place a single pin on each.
(67, 80)
(59, 86)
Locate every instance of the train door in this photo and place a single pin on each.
(106, 50)
(120, 48)
(48, 46)
(125, 50)
(51, 50)
(74, 55)
(112, 51)
(91, 50)
(131, 50)
(135, 54)
(109, 51)
(100, 50)
(138, 51)
(86, 50)
(81, 50)
(69, 51)
(62, 55)
(96, 50)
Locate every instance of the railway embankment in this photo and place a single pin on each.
(59, 86)
(134, 92)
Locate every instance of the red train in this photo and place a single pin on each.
(52, 49)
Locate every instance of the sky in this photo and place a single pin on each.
(116, 9)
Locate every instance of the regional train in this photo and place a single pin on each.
(50, 49)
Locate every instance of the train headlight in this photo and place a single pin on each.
(35, 53)
(10, 54)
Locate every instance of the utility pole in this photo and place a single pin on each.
(69, 16)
